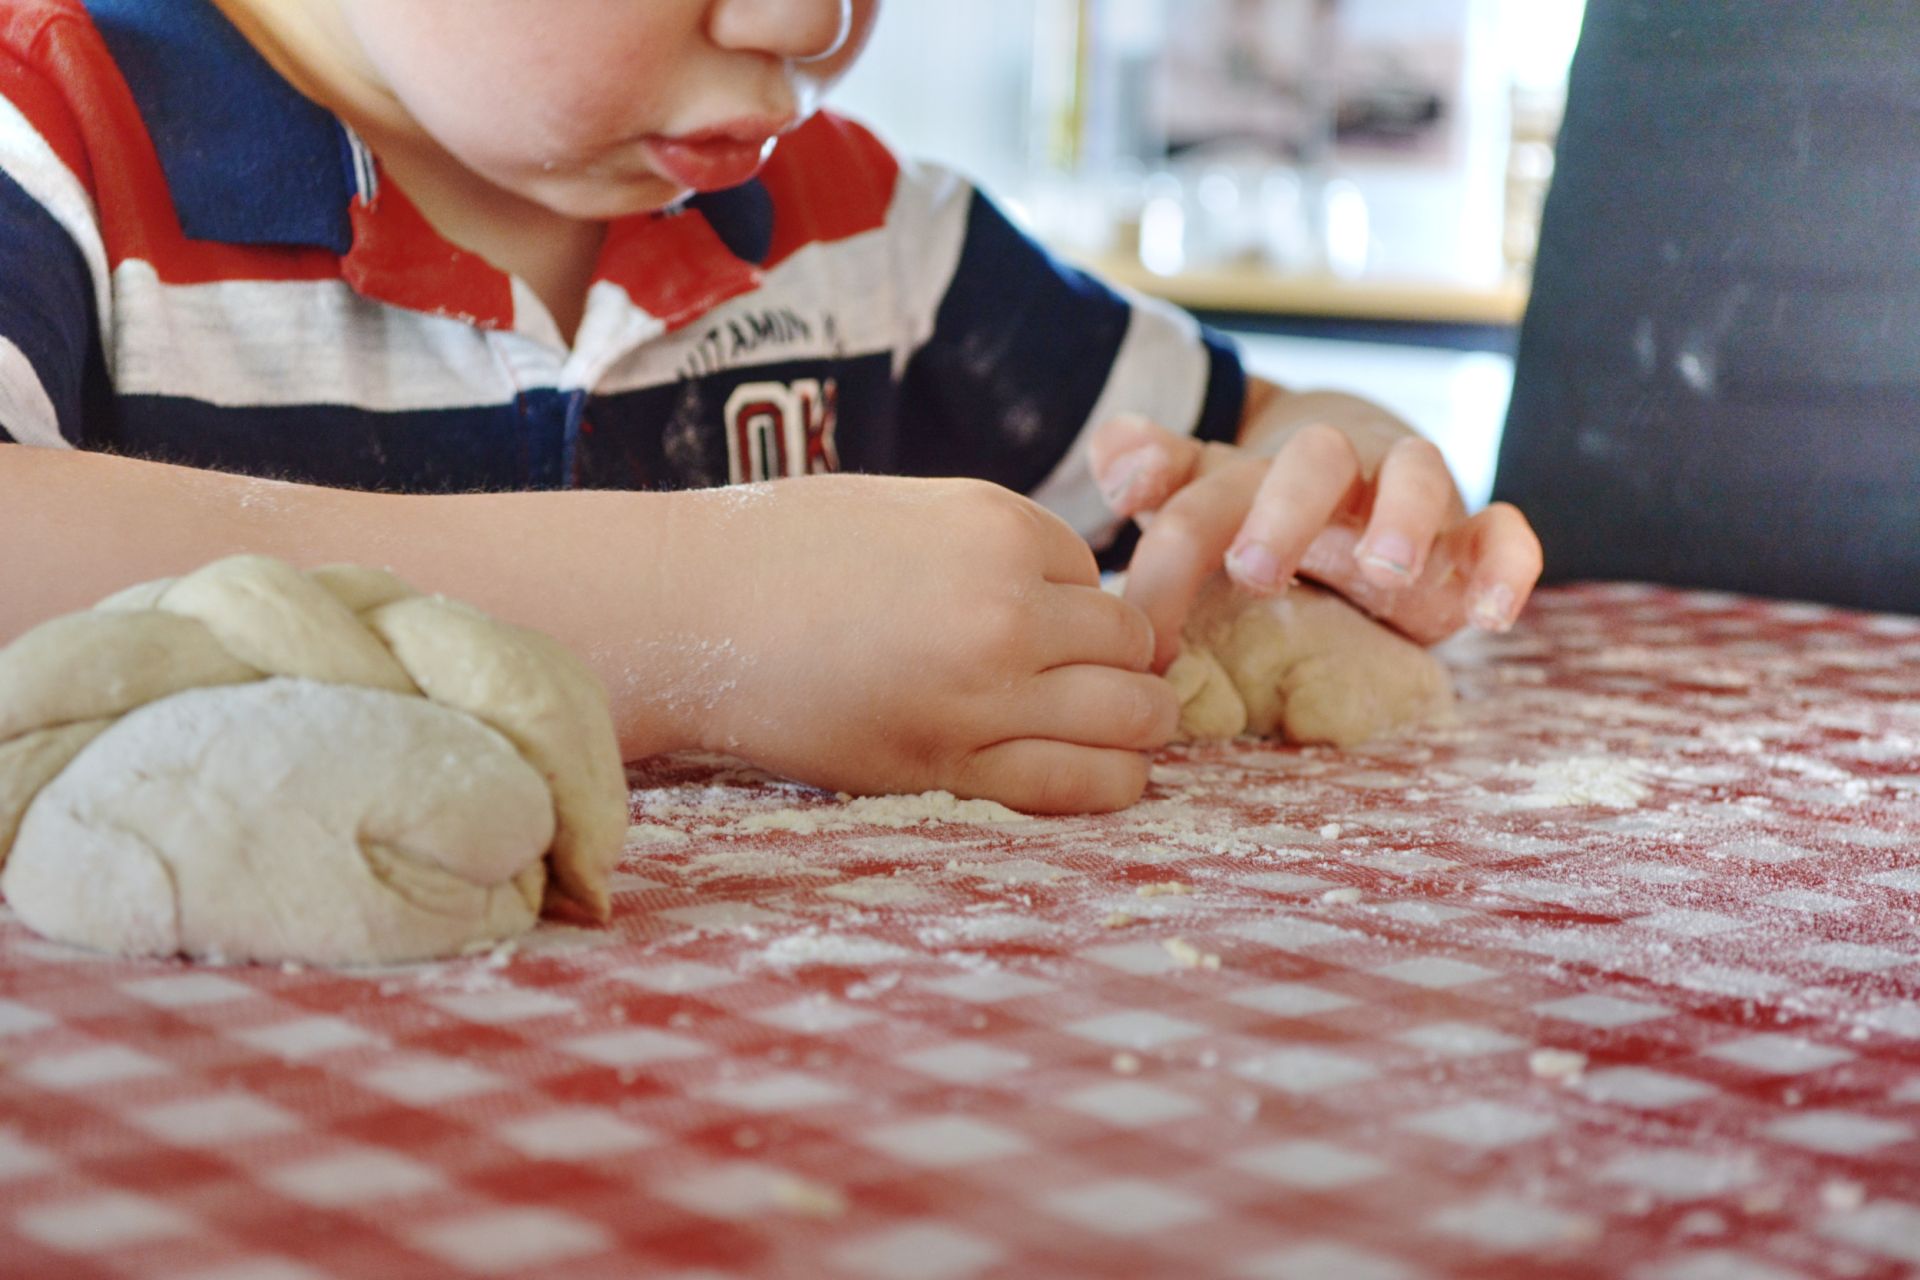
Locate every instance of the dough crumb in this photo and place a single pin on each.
(1126, 1064)
(1330, 832)
(1171, 889)
(1188, 956)
(809, 1199)
(1702, 1222)
(1842, 1196)
(1557, 1064)
(1341, 897)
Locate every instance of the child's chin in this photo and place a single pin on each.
(604, 201)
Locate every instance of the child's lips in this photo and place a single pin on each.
(714, 159)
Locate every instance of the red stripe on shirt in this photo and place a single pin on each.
(45, 110)
(674, 266)
(399, 258)
(830, 179)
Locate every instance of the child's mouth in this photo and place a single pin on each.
(712, 159)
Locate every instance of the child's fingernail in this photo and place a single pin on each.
(1388, 552)
(1254, 566)
(1124, 474)
(1493, 609)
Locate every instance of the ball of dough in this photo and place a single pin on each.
(286, 819)
(1305, 666)
(259, 763)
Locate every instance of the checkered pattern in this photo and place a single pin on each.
(1674, 838)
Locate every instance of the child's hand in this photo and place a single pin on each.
(903, 635)
(1366, 507)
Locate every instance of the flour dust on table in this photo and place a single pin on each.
(252, 763)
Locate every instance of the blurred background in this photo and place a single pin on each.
(1351, 187)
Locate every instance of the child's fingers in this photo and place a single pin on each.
(1414, 499)
(1480, 572)
(1087, 625)
(1183, 547)
(1305, 484)
(1139, 464)
(1065, 557)
(1097, 707)
(1501, 561)
(1038, 776)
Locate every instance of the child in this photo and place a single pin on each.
(348, 280)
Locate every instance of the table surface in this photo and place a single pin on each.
(1285, 1018)
(1260, 290)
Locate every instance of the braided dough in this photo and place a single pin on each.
(254, 763)
(1305, 666)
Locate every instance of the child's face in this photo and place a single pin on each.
(601, 108)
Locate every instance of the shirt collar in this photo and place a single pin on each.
(248, 159)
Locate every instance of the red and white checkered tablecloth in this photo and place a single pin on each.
(1286, 1018)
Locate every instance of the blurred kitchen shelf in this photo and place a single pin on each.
(1255, 291)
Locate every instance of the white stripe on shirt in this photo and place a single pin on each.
(295, 342)
(928, 220)
(26, 411)
(1160, 373)
(880, 301)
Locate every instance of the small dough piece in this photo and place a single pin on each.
(286, 820)
(1306, 666)
(1211, 708)
(258, 763)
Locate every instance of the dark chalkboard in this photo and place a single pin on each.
(1718, 378)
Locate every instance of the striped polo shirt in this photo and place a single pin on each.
(198, 265)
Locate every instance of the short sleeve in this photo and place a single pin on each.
(1027, 354)
(50, 292)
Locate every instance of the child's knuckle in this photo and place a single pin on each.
(1322, 442)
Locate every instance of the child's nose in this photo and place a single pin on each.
(804, 30)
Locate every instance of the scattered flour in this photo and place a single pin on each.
(1606, 782)
(884, 811)
(814, 947)
(652, 833)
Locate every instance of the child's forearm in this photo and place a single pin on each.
(580, 566)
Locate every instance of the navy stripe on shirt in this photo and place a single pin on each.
(47, 305)
(199, 82)
(519, 445)
(1017, 361)
(1226, 398)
